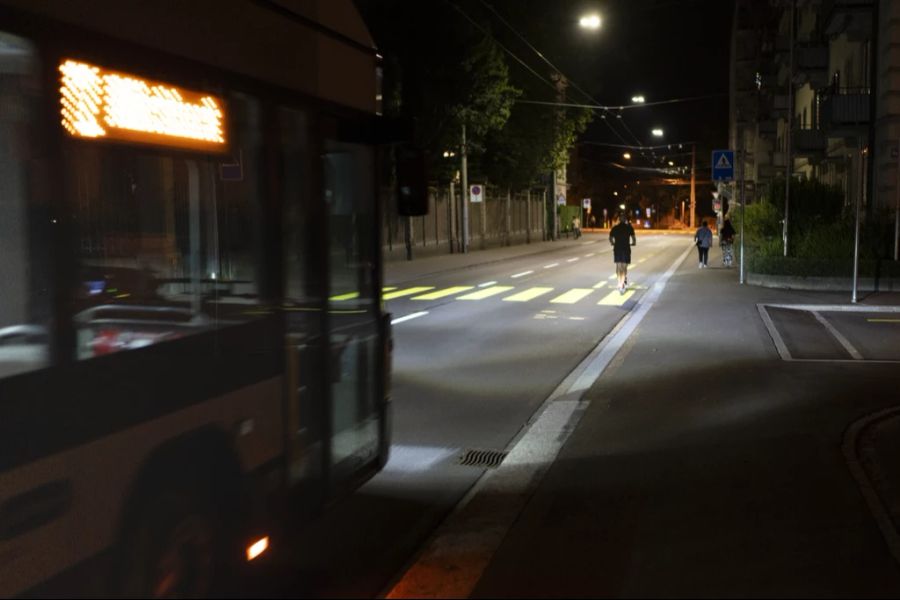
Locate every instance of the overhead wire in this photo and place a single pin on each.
(546, 60)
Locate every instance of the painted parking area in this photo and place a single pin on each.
(805, 332)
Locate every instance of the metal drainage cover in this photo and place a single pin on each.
(488, 459)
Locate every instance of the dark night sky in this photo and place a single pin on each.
(663, 49)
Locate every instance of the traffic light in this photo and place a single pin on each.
(412, 182)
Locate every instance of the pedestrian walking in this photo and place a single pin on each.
(703, 237)
(622, 238)
(576, 227)
(726, 241)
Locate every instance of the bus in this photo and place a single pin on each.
(192, 337)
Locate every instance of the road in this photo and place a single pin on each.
(480, 351)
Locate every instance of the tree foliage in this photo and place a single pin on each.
(444, 72)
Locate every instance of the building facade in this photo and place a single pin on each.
(815, 93)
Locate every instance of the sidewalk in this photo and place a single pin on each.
(704, 465)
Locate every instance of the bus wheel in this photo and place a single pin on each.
(175, 549)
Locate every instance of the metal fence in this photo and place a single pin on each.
(503, 218)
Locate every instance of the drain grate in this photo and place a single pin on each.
(488, 459)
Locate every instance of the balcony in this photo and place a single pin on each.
(768, 128)
(811, 65)
(846, 113)
(853, 17)
(808, 143)
(779, 106)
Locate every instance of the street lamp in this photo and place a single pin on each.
(590, 22)
(657, 132)
(627, 156)
(637, 99)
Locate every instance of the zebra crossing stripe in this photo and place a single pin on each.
(572, 296)
(342, 297)
(450, 291)
(487, 293)
(599, 285)
(529, 294)
(614, 298)
(407, 292)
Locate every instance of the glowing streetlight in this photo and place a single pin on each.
(615, 193)
(671, 164)
(590, 22)
(637, 99)
(622, 206)
(627, 156)
(657, 132)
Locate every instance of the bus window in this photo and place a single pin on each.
(353, 303)
(24, 223)
(302, 235)
(166, 242)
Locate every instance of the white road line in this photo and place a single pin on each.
(463, 546)
(409, 317)
(522, 274)
(572, 259)
(838, 307)
(551, 265)
(843, 341)
(773, 332)
(589, 254)
(487, 284)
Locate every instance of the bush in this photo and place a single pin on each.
(821, 235)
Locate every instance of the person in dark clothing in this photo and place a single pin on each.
(726, 241)
(622, 238)
(704, 238)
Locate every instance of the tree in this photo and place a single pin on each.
(443, 73)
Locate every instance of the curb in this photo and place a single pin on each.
(853, 437)
(822, 284)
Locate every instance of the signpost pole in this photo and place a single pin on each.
(465, 195)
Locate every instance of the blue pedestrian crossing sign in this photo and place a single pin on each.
(723, 165)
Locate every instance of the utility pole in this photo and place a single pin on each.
(862, 187)
(465, 193)
(789, 161)
(693, 183)
(897, 210)
(740, 194)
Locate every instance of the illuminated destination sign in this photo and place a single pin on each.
(97, 103)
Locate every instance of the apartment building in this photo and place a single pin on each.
(815, 92)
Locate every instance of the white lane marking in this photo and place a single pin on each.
(522, 274)
(462, 547)
(572, 259)
(843, 341)
(409, 317)
(589, 254)
(551, 265)
(773, 333)
(487, 284)
(838, 307)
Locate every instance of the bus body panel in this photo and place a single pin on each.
(93, 481)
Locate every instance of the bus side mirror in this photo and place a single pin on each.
(412, 182)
